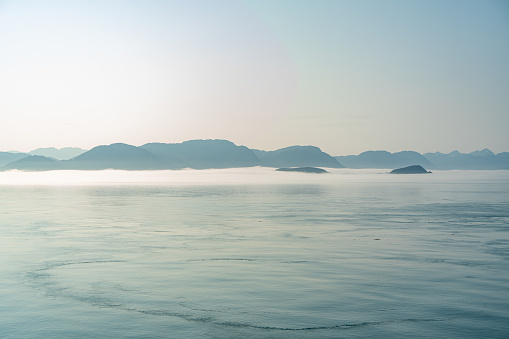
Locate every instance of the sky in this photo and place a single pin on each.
(346, 76)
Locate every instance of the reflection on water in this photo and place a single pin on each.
(254, 253)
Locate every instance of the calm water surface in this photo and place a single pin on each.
(254, 253)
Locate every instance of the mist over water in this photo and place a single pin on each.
(254, 253)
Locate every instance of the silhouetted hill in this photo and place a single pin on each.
(297, 156)
(414, 169)
(302, 169)
(34, 163)
(8, 157)
(384, 159)
(202, 154)
(478, 160)
(116, 156)
(59, 154)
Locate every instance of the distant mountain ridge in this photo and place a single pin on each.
(196, 154)
(202, 154)
(34, 163)
(478, 160)
(8, 157)
(115, 156)
(297, 156)
(384, 159)
(215, 153)
(65, 153)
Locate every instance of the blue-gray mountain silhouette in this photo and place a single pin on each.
(34, 163)
(116, 156)
(478, 160)
(414, 169)
(297, 156)
(65, 153)
(384, 159)
(8, 157)
(302, 169)
(202, 154)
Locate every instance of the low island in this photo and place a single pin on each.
(415, 169)
(303, 169)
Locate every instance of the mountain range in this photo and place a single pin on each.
(65, 153)
(478, 160)
(205, 154)
(297, 156)
(384, 159)
(484, 159)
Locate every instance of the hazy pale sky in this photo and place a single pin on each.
(347, 76)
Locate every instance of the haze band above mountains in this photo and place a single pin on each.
(206, 154)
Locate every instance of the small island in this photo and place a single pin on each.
(415, 169)
(303, 169)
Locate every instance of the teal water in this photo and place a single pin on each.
(254, 253)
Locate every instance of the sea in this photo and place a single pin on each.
(254, 253)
